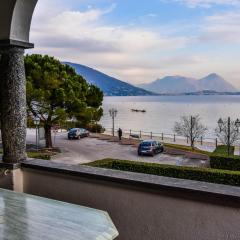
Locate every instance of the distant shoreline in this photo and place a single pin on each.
(202, 93)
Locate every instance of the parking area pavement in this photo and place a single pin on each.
(92, 149)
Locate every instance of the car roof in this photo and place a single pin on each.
(145, 141)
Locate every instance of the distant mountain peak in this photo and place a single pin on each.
(179, 84)
(215, 82)
(213, 75)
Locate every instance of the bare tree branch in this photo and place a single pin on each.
(190, 127)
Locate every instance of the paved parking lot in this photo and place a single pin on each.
(91, 149)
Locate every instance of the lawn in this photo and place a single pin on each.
(186, 148)
(41, 154)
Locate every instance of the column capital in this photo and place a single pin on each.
(15, 22)
(15, 43)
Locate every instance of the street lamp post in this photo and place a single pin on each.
(237, 124)
(36, 123)
(113, 114)
(220, 124)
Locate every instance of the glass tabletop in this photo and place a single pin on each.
(26, 217)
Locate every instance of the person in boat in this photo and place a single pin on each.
(120, 134)
(137, 110)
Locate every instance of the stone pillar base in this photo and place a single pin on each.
(11, 177)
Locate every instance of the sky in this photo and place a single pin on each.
(139, 41)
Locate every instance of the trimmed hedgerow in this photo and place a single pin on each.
(191, 173)
(220, 160)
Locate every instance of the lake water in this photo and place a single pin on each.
(163, 111)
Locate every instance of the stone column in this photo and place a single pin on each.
(13, 103)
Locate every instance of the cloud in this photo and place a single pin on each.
(85, 32)
(134, 53)
(84, 37)
(207, 3)
(221, 28)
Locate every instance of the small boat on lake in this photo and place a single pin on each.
(138, 110)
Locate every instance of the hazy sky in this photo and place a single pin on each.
(142, 40)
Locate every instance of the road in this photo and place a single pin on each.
(86, 150)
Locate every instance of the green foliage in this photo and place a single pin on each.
(198, 174)
(223, 150)
(220, 160)
(225, 162)
(95, 128)
(55, 92)
(39, 155)
(89, 116)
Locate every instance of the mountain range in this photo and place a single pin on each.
(211, 84)
(180, 84)
(109, 85)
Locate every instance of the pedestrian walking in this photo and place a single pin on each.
(120, 134)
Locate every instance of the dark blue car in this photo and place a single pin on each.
(150, 147)
(78, 133)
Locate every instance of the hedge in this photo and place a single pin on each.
(191, 173)
(220, 160)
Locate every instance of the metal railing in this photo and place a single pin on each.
(166, 137)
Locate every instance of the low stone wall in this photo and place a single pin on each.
(143, 207)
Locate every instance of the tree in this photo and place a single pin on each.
(190, 127)
(56, 93)
(227, 133)
(92, 114)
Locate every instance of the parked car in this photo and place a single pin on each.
(77, 133)
(84, 133)
(150, 147)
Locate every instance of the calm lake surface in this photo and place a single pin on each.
(163, 111)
